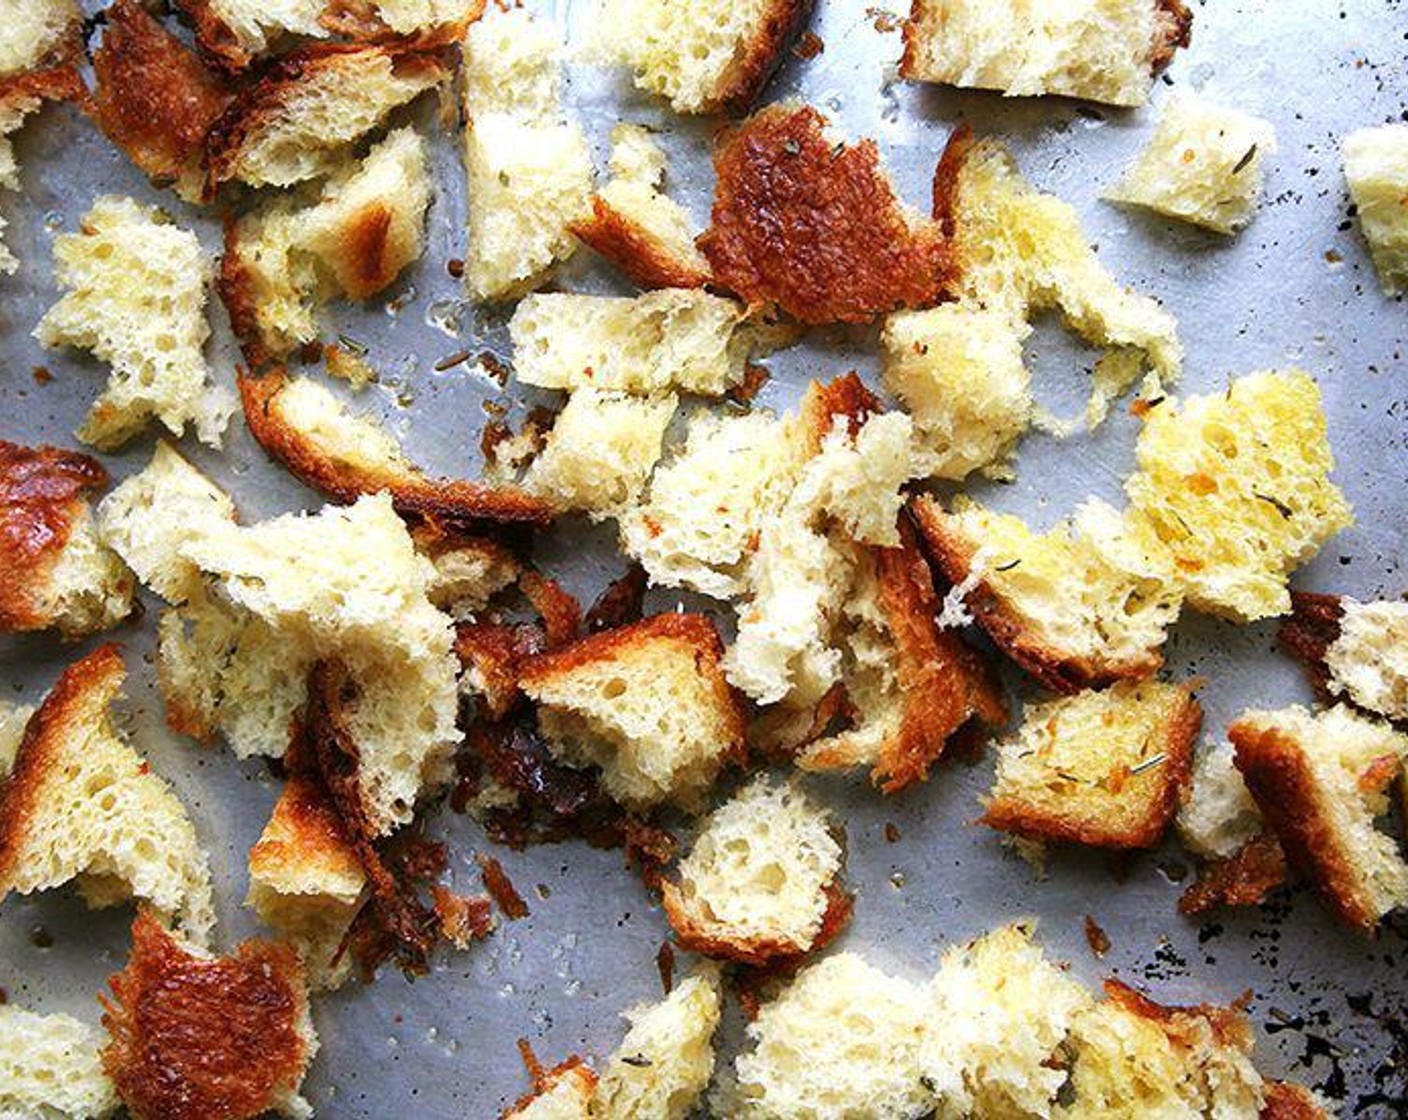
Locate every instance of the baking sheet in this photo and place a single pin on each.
(1297, 287)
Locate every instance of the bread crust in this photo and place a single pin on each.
(1230, 1026)
(1244, 878)
(497, 652)
(456, 502)
(59, 82)
(1308, 632)
(760, 57)
(757, 952)
(1285, 1101)
(303, 830)
(545, 1081)
(631, 248)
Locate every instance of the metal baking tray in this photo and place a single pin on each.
(1296, 287)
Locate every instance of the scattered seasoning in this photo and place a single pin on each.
(808, 46)
(495, 368)
(1009, 566)
(884, 20)
(1280, 506)
(41, 375)
(665, 962)
(1246, 159)
(640, 1061)
(1095, 937)
(497, 883)
(455, 267)
(892, 833)
(458, 357)
(1149, 763)
(352, 346)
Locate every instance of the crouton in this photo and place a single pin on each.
(529, 169)
(635, 225)
(195, 1035)
(49, 1068)
(1101, 768)
(1320, 781)
(1099, 50)
(469, 571)
(55, 570)
(661, 1068)
(703, 59)
(1085, 604)
(130, 837)
(762, 882)
(842, 1039)
(600, 452)
(1236, 486)
(647, 703)
(1376, 168)
(34, 33)
(1243, 878)
(809, 223)
(1353, 651)
(136, 299)
(1218, 817)
(670, 339)
(1202, 165)
(296, 121)
(562, 1093)
(283, 261)
(1001, 1012)
(345, 455)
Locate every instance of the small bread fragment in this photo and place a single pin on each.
(1376, 168)
(55, 569)
(1218, 818)
(1236, 485)
(1202, 165)
(35, 33)
(49, 1068)
(762, 882)
(635, 225)
(814, 225)
(469, 571)
(130, 837)
(1285, 1101)
(296, 121)
(564, 1092)
(647, 703)
(136, 299)
(1353, 651)
(703, 58)
(1084, 604)
(20, 97)
(1100, 50)
(195, 1036)
(529, 169)
(1320, 782)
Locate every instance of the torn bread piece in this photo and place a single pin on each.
(564, 1092)
(136, 291)
(195, 1035)
(763, 880)
(1320, 782)
(1376, 168)
(805, 221)
(1202, 165)
(296, 121)
(284, 260)
(20, 97)
(55, 569)
(1084, 604)
(468, 571)
(130, 837)
(1218, 817)
(635, 225)
(1106, 769)
(1236, 486)
(1100, 50)
(37, 33)
(49, 1068)
(346, 455)
(1353, 651)
(529, 169)
(647, 703)
(705, 58)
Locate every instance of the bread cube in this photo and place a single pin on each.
(1376, 168)
(1367, 662)
(49, 1068)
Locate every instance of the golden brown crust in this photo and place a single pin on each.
(757, 952)
(456, 502)
(1284, 1101)
(1244, 878)
(304, 829)
(761, 57)
(497, 652)
(631, 248)
(1312, 627)
(545, 1081)
(816, 227)
(1173, 28)
(1230, 1026)
(58, 82)
(204, 1038)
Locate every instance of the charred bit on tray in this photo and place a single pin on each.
(501, 888)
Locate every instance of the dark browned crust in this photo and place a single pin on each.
(58, 82)
(758, 952)
(235, 287)
(1173, 28)
(313, 830)
(204, 1039)
(844, 397)
(948, 178)
(545, 1081)
(155, 99)
(815, 227)
(760, 57)
(1284, 1101)
(632, 249)
(498, 651)
(455, 502)
(1244, 878)
(1230, 1026)
(368, 244)
(1312, 627)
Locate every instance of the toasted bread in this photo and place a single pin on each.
(38, 33)
(1376, 168)
(1353, 651)
(49, 1068)
(564, 1092)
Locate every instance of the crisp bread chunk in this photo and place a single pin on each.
(529, 169)
(1100, 50)
(282, 261)
(35, 33)
(647, 703)
(1376, 168)
(296, 121)
(55, 570)
(564, 1092)
(814, 225)
(346, 455)
(1202, 165)
(49, 1068)
(20, 97)
(1366, 661)
(1084, 604)
(663, 1065)
(843, 1039)
(1236, 486)
(195, 1036)
(1320, 782)
(1000, 1013)
(131, 837)
(762, 882)
(1100, 768)
(703, 58)
(136, 299)
(1218, 817)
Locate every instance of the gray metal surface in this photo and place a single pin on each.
(1296, 287)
